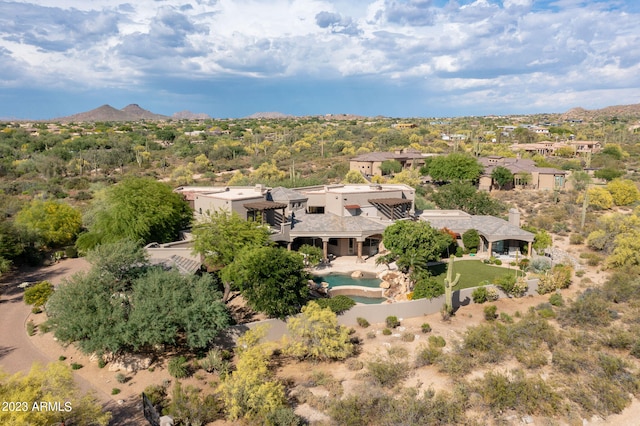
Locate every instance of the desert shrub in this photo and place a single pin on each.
(515, 287)
(437, 341)
(618, 339)
(215, 361)
(580, 273)
(45, 327)
(425, 328)
(524, 264)
(386, 332)
(455, 364)
(283, 416)
(427, 287)
(471, 239)
(157, 395)
(38, 294)
(590, 309)
(459, 251)
(576, 239)
(354, 364)
(76, 366)
(490, 312)
(492, 294)
(623, 285)
(408, 337)
(337, 304)
(556, 299)
(546, 312)
(392, 321)
(101, 363)
(506, 318)
(31, 328)
(525, 395)
(362, 322)
(115, 391)
(36, 310)
(121, 378)
(635, 349)
(539, 264)
(532, 359)
(498, 262)
(62, 358)
(190, 406)
(479, 295)
(178, 367)
(371, 335)
(427, 355)
(387, 371)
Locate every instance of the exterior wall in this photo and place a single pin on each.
(334, 204)
(377, 313)
(546, 182)
(316, 200)
(202, 203)
(369, 168)
(484, 183)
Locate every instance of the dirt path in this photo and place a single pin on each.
(18, 352)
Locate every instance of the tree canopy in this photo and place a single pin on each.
(414, 244)
(272, 279)
(136, 308)
(52, 223)
(465, 197)
(502, 176)
(49, 384)
(139, 209)
(455, 167)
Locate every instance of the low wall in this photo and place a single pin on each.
(350, 290)
(378, 313)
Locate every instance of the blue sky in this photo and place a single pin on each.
(398, 58)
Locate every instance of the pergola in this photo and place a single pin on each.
(390, 206)
(262, 206)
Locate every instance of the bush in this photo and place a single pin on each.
(492, 294)
(76, 366)
(284, 416)
(479, 295)
(388, 371)
(556, 299)
(38, 294)
(386, 332)
(101, 363)
(36, 310)
(157, 395)
(121, 378)
(371, 335)
(437, 341)
(590, 309)
(515, 287)
(354, 364)
(408, 337)
(506, 318)
(498, 262)
(31, 328)
(115, 391)
(62, 358)
(426, 328)
(427, 355)
(459, 251)
(392, 321)
(576, 239)
(539, 264)
(215, 361)
(178, 367)
(337, 304)
(490, 312)
(362, 322)
(471, 239)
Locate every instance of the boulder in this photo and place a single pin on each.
(385, 284)
(130, 363)
(357, 274)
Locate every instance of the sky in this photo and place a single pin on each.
(395, 58)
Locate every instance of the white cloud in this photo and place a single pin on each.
(503, 44)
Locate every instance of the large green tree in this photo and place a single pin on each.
(51, 223)
(502, 176)
(272, 279)
(413, 244)
(455, 167)
(465, 197)
(139, 209)
(128, 309)
(219, 237)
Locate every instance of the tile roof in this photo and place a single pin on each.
(329, 224)
(492, 228)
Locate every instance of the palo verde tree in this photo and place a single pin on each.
(49, 385)
(51, 223)
(272, 279)
(139, 209)
(413, 244)
(464, 196)
(455, 167)
(220, 237)
(502, 176)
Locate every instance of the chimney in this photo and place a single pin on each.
(514, 217)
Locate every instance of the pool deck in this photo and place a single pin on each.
(348, 264)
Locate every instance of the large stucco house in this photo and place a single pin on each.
(526, 173)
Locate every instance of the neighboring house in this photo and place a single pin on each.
(548, 148)
(526, 173)
(369, 164)
(342, 219)
(497, 236)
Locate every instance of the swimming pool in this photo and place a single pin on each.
(336, 280)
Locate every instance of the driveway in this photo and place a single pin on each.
(18, 353)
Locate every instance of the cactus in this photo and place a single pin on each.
(449, 284)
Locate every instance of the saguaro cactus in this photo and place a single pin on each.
(449, 284)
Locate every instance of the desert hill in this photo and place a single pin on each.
(131, 112)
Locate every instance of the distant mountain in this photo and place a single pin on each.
(619, 111)
(131, 112)
(269, 115)
(188, 115)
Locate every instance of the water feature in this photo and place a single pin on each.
(360, 290)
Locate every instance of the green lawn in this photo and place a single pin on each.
(472, 272)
